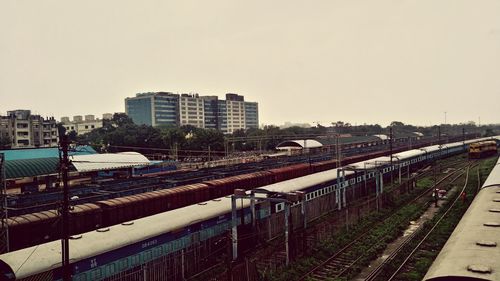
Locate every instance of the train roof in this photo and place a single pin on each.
(304, 182)
(407, 154)
(370, 163)
(494, 177)
(473, 245)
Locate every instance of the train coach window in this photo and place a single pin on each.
(135, 260)
(80, 277)
(96, 274)
(110, 269)
(158, 251)
(148, 255)
(168, 247)
(123, 264)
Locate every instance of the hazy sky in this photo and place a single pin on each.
(370, 61)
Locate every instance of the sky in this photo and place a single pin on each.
(303, 61)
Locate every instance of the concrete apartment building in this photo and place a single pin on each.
(82, 125)
(23, 129)
(164, 108)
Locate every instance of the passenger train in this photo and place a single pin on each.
(106, 252)
(471, 253)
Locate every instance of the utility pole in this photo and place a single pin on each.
(64, 166)
(390, 142)
(176, 152)
(226, 147)
(208, 153)
(339, 150)
(5, 229)
(390, 150)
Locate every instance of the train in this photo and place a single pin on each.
(40, 227)
(482, 149)
(158, 246)
(471, 252)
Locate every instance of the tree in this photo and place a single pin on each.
(5, 142)
(489, 133)
(121, 119)
(397, 124)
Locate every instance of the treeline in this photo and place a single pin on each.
(121, 134)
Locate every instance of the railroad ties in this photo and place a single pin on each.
(334, 268)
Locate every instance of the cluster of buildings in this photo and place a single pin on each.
(84, 124)
(209, 112)
(20, 128)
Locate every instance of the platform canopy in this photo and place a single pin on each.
(34, 162)
(382, 137)
(44, 152)
(108, 161)
(298, 144)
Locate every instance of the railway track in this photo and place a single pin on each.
(376, 273)
(342, 261)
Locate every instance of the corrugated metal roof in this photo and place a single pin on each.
(35, 153)
(299, 143)
(31, 167)
(108, 161)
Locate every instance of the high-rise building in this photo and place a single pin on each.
(22, 129)
(210, 106)
(222, 115)
(154, 109)
(209, 112)
(192, 110)
(251, 115)
(235, 114)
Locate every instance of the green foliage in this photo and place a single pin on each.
(120, 133)
(5, 142)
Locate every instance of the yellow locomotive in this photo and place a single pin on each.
(482, 149)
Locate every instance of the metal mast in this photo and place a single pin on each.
(4, 232)
(64, 165)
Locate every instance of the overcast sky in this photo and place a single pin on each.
(303, 61)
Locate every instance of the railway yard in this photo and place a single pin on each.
(377, 216)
